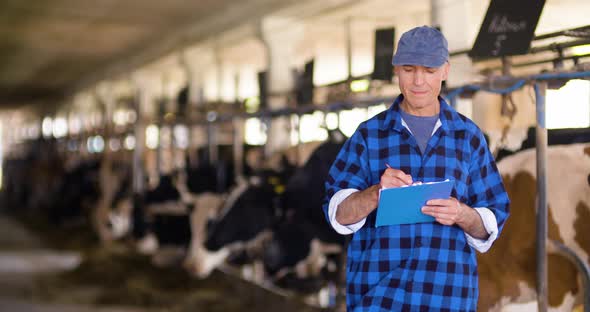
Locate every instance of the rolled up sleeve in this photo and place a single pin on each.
(491, 225)
(338, 198)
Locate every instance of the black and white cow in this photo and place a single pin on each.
(166, 214)
(249, 212)
(303, 243)
(280, 224)
(247, 216)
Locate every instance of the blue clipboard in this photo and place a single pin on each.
(403, 205)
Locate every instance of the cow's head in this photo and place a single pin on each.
(248, 211)
(297, 255)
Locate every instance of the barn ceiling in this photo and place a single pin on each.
(50, 48)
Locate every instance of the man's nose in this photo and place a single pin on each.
(418, 77)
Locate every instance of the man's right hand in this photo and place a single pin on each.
(358, 205)
(394, 178)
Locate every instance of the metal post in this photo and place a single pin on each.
(212, 139)
(266, 122)
(138, 180)
(349, 49)
(295, 127)
(139, 226)
(541, 137)
(506, 111)
(435, 11)
(238, 147)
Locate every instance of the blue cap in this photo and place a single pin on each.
(424, 46)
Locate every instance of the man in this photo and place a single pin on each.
(420, 138)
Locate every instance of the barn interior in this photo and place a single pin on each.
(130, 129)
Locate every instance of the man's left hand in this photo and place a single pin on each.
(451, 211)
(446, 211)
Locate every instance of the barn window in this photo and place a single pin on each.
(60, 127)
(311, 127)
(181, 136)
(375, 109)
(255, 132)
(120, 117)
(569, 107)
(95, 144)
(129, 142)
(331, 121)
(350, 119)
(464, 106)
(152, 136)
(47, 127)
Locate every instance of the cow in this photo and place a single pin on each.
(165, 214)
(232, 234)
(246, 217)
(171, 214)
(78, 192)
(285, 229)
(508, 270)
(115, 189)
(302, 243)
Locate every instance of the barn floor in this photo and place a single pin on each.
(66, 271)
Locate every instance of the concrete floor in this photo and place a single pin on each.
(32, 280)
(23, 259)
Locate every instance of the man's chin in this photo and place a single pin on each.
(420, 102)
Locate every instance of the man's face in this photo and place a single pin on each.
(421, 86)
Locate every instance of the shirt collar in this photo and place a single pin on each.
(449, 119)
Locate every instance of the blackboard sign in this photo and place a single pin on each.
(508, 28)
(383, 70)
(182, 102)
(263, 89)
(304, 85)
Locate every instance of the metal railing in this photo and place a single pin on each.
(583, 268)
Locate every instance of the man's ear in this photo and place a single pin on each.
(445, 69)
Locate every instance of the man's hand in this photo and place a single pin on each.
(451, 211)
(445, 211)
(359, 205)
(394, 178)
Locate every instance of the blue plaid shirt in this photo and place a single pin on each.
(425, 266)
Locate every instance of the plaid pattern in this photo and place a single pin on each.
(426, 266)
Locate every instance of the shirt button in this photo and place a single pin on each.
(418, 243)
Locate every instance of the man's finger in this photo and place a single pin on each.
(388, 182)
(395, 173)
(438, 210)
(440, 202)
